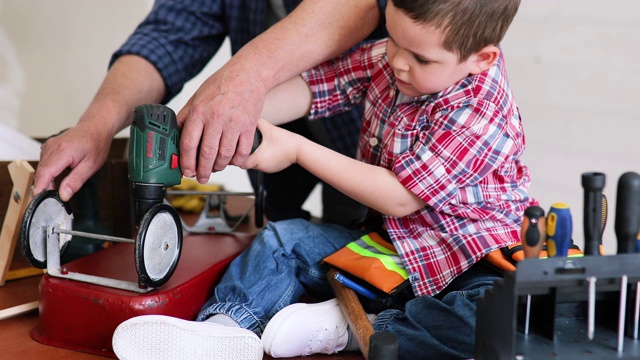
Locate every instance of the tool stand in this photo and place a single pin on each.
(82, 316)
(83, 301)
(213, 218)
(560, 324)
(47, 228)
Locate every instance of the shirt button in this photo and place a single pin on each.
(373, 141)
(392, 92)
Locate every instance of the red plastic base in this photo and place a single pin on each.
(82, 317)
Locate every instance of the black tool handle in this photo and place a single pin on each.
(383, 346)
(627, 223)
(593, 184)
(257, 139)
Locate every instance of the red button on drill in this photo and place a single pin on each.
(174, 161)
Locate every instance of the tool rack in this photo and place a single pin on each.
(558, 326)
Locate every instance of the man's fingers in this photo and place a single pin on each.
(46, 173)
(243, 150)
(182, 115)
(41, 184)
(74, 181)
(189, 146)
(209, 151)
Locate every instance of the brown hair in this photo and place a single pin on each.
(468, 25)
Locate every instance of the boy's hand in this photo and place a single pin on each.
(277, 151)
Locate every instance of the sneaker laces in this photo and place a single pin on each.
(327, 341)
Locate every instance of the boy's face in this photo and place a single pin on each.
(420, 64)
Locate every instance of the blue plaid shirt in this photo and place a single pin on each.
(179, 37)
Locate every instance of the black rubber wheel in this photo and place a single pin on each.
(158, 245)
(45, 209)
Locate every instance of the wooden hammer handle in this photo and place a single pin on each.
(353, 311)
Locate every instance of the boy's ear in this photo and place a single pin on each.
(484, 59)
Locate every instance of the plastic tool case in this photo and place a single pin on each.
(559, 311)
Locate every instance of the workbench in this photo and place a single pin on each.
(17, 342)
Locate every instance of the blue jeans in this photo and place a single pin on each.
(284, 262)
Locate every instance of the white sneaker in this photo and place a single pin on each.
(163, 337)
(306, 329)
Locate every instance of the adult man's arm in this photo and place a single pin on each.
(220, 118)
(131, 81)
(172, 44)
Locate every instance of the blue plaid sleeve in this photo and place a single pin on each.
(178, 38)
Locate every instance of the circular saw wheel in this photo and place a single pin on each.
(45, 210)
(158, 245)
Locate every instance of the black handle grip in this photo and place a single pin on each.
(257, 139)
(593, 184)
(383, 346)
(627, 223)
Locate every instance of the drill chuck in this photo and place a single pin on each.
(145, 196)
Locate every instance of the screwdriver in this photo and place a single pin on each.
(559, 228)
(636, 316)
(627, 225)
(605, 215)
(532, 237)
(533, 231)
(591, 280)
(593, 184)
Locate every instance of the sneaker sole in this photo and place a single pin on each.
(161, 337)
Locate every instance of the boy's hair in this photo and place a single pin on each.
(467, 25)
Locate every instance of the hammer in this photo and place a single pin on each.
(373, 346)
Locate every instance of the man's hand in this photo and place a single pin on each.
(219, 121)
(82, 149)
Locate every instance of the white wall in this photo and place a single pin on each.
(572, 64)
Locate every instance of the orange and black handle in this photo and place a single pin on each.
(533, 231)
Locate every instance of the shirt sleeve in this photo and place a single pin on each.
(339, 84)
(457, 151)
(178, 38)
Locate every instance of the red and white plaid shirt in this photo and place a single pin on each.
(459, 150)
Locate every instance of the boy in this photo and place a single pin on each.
(439, 163)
